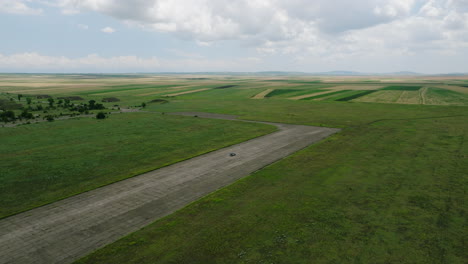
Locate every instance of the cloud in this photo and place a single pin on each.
(18, 7)
(278, 25)
(331, 30)
(35, 62)
(108, 30)
(41, 63)
(211, 20)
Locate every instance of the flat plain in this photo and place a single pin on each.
(389, 188)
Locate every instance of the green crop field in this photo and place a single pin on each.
(278, 92)
(446, 97)
(402, 88)
(391, 187)
(351, 94)
(325, 95)
(356, 95)
(297, 91)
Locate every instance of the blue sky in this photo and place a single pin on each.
(233, 35)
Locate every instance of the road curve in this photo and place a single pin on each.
(67, 230)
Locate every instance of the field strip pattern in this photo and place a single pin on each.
(311, 95)
(66, 230)
(263, 94)
(188, 92)
(164, 91)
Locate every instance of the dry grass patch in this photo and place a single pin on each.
(178, 88)
(188, 92)
(409, 97)
(310, 95)
(381, 97)
(263, 94)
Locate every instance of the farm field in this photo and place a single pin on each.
(389, 188)
(133, 90)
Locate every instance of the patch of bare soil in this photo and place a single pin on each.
(110, 99)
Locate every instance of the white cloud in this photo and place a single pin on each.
(18, 7)
(331, 30)
(211, 20)
(35, 62)
(40, 63)
(260, 21)
(108, 30)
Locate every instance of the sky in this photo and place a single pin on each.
(121, 36)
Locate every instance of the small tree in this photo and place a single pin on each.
(101, 115)
(28, 100)
(51, 102)
(19, 97)
(49, 118)
(91, 104)
(7, 116)
(143, 105)
(25, 114)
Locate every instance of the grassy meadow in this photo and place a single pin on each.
(391, 187)
(44, 162)
(393, 191)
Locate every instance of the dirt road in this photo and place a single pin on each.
(72, 228)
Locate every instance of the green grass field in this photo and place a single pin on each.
(391, 187)
(44, 162)
(387, 192)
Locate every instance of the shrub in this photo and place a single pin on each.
(7, 116)
(101, 115)
(49, 118)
